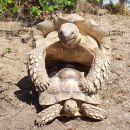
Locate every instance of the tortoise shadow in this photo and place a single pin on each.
(65, 119)
(28, 93)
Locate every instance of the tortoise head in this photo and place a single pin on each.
(71, 108)
(69, 34)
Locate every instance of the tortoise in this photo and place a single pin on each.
(73, 40)
(65, 98)
(70, 40)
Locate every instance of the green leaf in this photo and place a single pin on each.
(7, 50)
(16, 9)
(8, 1)
(35, 11)
(42, 2)
(65, 2)
(1, 12)
(98, 1)
(70, 3)
(50, 8)
(56, 6)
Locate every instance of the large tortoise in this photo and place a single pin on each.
(65, 98)
(90, 48)
(70, 40)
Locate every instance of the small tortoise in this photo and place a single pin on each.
(65, 98)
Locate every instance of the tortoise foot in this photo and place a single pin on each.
(48, 115)
(94, 112)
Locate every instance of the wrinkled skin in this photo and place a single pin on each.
(71, 108)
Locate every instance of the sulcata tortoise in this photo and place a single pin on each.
(65, 98)
(70, 40)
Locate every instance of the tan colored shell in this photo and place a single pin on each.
(49, 28)
(66, 87)
(86, 27)
(69, 73)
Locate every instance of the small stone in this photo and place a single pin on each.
(119, 57)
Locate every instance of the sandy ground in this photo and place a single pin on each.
(19, 102)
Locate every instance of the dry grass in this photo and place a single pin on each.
(117, 9)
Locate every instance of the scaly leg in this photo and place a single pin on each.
(36, 69)
(98, 73)
(94, 112)
(48, 114)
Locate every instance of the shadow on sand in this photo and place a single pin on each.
(27, 93)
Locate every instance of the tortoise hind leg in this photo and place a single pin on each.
(94, 112)
(48, 114)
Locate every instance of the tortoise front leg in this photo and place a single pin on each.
(48, 114)
(36, 69)
(98, 73)
(94, 112)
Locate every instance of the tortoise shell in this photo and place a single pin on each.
(64, 87)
